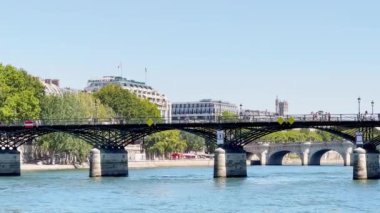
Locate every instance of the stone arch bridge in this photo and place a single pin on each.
(310, 153)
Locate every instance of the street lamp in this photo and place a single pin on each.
(359, 105)
(241, 111)
(220, 110)
(96, 111)
(372, 103)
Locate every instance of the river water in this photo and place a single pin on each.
(266, 189)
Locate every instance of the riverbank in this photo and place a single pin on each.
(159, 163)
(131, 164)
(42, 167)
(170, 163)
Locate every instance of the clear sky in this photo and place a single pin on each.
(318, 55)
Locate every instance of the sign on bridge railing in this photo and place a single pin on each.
(359, 139)
(220, 137)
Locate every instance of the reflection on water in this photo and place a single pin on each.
(266, 189)
(228, 182)
(369, 183)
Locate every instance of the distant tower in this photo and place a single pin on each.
(285, 108)
(281, 107)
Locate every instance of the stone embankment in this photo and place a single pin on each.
(131, 164)
(170, 163)
(329, 159)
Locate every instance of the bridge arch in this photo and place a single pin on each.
(107, 137)
(276, 158)
(316, 157)
(310, 153)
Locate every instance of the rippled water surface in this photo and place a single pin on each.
(266, 189)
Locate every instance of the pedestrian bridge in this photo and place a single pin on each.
(109, 136)
(310, 153)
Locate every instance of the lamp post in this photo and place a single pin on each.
(220, 111)
(241, 111)
(96, 111)
(359, 105)
(372, 103)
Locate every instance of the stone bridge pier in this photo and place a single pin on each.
(309, 153)
(112, 163)
(366, 164)
(230, 163)
(10, 162)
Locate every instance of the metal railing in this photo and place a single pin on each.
(192, 120)
(286, 118)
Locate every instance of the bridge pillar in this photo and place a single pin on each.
(305, 154)
(305, 158)
(347, 158)
(366, 165)
(230, 163)
(373, 166)
(108, 163)
(348, 155)
(263, 157)
(10, 163)
(359, 164)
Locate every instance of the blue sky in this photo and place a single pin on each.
(318, 55)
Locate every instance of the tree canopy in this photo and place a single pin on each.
(193, 142)
(20, 95)
(165, 143)
(73, 106)
(69, 106)
(125, 103)
(303, 135)
(229, 116)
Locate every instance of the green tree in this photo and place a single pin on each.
(69, 106)
(194, 142)
(20, 95)
(164, 143)
(210, 146)
(126, 104)
(300, 136)
(228, 116)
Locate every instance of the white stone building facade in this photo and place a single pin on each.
(203, 110)
(51, 86)
(140, 89)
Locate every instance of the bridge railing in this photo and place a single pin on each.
(312, 117)
(190, 120)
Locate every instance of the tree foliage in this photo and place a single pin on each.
(193, 142)
(20, 95)
(162, 144)
(303, 135)
(126, 104)
(69, 106)
(229, 116)
(165, 143)
(73, 106)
